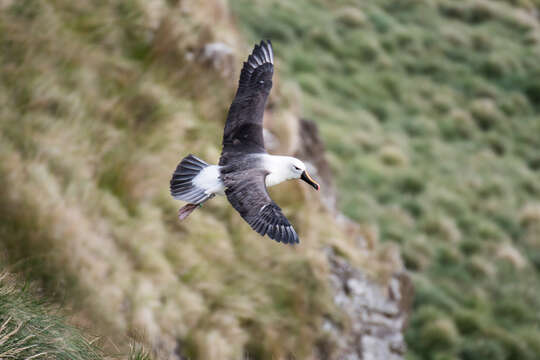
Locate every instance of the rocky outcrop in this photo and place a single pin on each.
(376, 314)
(312, 150)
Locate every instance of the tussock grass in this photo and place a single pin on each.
(428, 109)
(30, 329)
(98, 103)
(139, 352)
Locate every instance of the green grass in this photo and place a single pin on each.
(138, 352)
(98, 103)
(430, 110)
(32, 329)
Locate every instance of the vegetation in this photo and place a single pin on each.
(431, 113)
(30, 329)
(98, 103)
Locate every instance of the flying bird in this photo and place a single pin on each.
(245, 169)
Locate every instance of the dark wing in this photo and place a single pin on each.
(247, 193)
(243, 129)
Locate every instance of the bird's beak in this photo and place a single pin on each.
(305, 176)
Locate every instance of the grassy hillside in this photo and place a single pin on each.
(98, 103)
(431, 112)
(34, 328)
(31, 329)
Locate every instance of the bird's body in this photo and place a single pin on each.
(245, 169)
(209, 179)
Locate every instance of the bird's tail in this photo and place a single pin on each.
(183, 187)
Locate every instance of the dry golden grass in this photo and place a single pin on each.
(96, 117)
(31, 329)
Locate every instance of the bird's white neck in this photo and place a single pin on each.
(277, 167)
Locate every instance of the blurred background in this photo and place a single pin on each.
(421, 119)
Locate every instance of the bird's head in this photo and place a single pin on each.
(298, 170)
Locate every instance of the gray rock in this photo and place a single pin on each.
(376, 314)
(219, 56)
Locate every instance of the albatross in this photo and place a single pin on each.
(245, 169)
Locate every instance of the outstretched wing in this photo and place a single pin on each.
(247, 193)
(243, 129)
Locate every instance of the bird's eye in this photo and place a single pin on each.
(296, 167)
(261, 82)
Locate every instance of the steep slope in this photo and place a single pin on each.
(31, 329)
(98, 103)
(430, 110)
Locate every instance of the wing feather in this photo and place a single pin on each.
(243, 128)
(247, 193)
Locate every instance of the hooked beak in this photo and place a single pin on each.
(305, 176)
